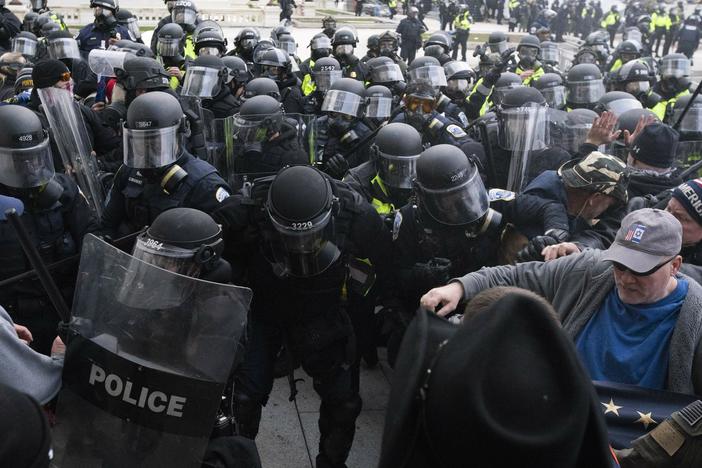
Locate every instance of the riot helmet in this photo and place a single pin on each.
(627, 122)
(577, 125)
(142, 73)
(585, 86)
(346, 98)
(204, 77)
(181, 240)
(261, 86)
(61, 46)
(550, 85)
(170, 41)
(277, 31)
(263, 46)
(440, 39)
(550, 53)
(396, 149)
(691, 125)
(320, 46)
(529, 50)
(585, 55)
(506, 82)
(275, 64)
(378, 102)
(246, 40)
(153, 131)
(459, 79)
(210, 42)
(344, 42)
(427, 69)
(184, 14)
(628, 51)
(28, 21)
(674, 66)
(617, 102)
(383, 70)
(25, 43)
(388, 43)
(41, 20)
(449, 188)
(373, 45)
(129, 21)
(258, 119)
(208, 25)
(301, 206)
(598, 42)
(286, 42)
(50, 27)
(25, 152)
(521, 111)
(632, 77)
(420, 103)
(497, 42)
(326, 71)
(237, 70)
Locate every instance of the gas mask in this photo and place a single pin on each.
(105, 17)
(418, 111)
(527, 56)
(340, 124)
(343, 50)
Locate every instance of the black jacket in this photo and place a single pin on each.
(275, 154)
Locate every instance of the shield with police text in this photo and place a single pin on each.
(68, 130)
(145, 367)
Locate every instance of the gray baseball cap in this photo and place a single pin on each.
(646, 238)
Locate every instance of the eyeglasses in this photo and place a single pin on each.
(621, 268)
(65, 76)
(413, 104)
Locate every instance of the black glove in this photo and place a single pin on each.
(492, 76)
(532, 251)
(506, 56)
(337, 166)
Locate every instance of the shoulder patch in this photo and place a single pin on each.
(221, 194)
(396, 224)
(500, 195)
(456, 131)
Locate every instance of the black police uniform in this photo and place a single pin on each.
(134, 201)
(56, 223)
(304, 314)
(291, 95)
(223, 104)
(154, 38)
(353, 67)
(97, 36)
(334, 140)
(10, 25)
(284, 150)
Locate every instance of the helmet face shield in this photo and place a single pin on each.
(183, 15)
(692, 122)
(386, 73)
(432, 74)
(168, 47)
(585, 92)
(288, 45)
(455, 206)
(343, 102)
(497, 47)
(397, 171)
(457, 68)
(523, 128)
(619, 106)
(63, 48)
(343, 49)
(171, 258)
(25, 46)
(151, 148)
(636, 87)
(208, 51)
(555, 96)
(321, 43)
(499, 93)
(250, 131)
(378, 107)
(248, 44)
(528, 53)
(676, 68)
(550, 54)
(26, 167)
(133, 26)
(325, 78)
(201, 82)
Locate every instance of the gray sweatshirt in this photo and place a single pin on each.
(577, 284)
(24, 369)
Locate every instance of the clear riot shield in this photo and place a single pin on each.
(146, 367)
(105, 62)
(689, 152)
(309, 138)
(71, 136)
(219, 134)
(526, 131)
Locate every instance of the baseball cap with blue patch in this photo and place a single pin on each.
(646, 238)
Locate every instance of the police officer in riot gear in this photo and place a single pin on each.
(185, 14)
(55, 214)
(634, 78)
(550, 85)
(294, 235)
(617, 102)
(372, 48)
(205, 79)
(244, 44)
(320, 47)
(528, 67)
(325, 72)
(102, 32)
(379, 105)
(265, 141)
(10, 25)
(388, 45)
(238, 74)
(161, 23)
(210, 42)
(673, 84)
(551, 57)
(453, 224)
(344, 42)
(158, 172)
(129, 21)
(383, 71)
(438, 45)
(276, 64)
(585, 87)
(260, 86)
(341, 132)
(170, 52)
(460, 80)
(624, 53)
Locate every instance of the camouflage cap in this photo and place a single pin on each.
(598, 172)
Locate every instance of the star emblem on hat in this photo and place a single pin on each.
(611, 407)
(645, 419)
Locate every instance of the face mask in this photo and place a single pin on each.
(344, 50)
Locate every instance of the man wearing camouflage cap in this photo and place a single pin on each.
(586, 188)
(633, 316)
